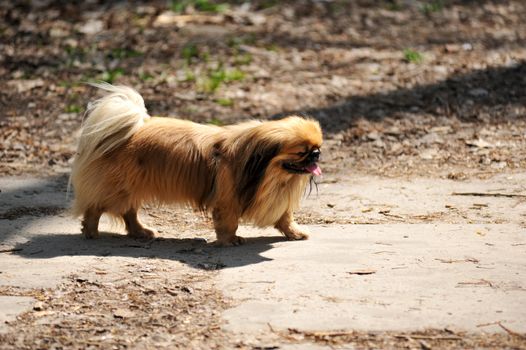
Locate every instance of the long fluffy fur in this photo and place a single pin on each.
(126, 158)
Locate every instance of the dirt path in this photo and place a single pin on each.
(390, 262)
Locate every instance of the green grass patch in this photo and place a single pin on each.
(218, 76)
(273, 47)
(225, 102)
(74, 54)
(429, 7)
(111, 75)
(244, 59)
(190, 51)
(120, 53)
(209, 84)
(73, 108)
(413, 56)
(394, 6)
(265, 4)
(216, 121)
(234, 75)
(236, 41)
(180, 6)
(189, 75)
(145, 76)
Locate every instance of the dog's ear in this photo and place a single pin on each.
(252, 171)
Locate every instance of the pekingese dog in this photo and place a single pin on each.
(254, 172)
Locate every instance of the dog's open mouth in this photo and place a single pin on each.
(295, 168)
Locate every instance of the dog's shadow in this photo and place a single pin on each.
(194, 252)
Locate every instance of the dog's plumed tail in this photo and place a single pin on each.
(109, 122)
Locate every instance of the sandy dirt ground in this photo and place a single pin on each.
(390, 262)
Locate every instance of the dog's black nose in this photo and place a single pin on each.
(314, 155)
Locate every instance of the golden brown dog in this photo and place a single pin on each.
(255, 171)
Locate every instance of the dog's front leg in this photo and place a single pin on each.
(225, 225)
(290, 228)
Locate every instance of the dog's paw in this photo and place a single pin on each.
(142, 234)
(296, 235)
(232, 241)
(90, 234)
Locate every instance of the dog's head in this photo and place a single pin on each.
(277, 152)
(300, 151)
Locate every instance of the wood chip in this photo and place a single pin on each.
(483, 205)
(425, 345)
(362, 272)
(39, 306)
(123, 313)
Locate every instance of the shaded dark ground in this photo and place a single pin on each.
(344, 63)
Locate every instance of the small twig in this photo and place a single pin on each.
(450, 261)
(9, 250)
(382, 243)
(484, 194)
(387, 213)
(271, 328)
(257, 282)
(509, 331)
(384, 251)
(520, 201)
(432, 337)
(329, 334)
(481, 282)
(488, 324)
(321, 333)
(362, 272)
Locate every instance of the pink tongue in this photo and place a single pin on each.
(314, 169)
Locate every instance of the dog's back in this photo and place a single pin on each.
(125, 157)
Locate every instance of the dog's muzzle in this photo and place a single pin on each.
(306, 166)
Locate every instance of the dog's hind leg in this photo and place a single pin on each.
(134, 227)
(90, 223)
